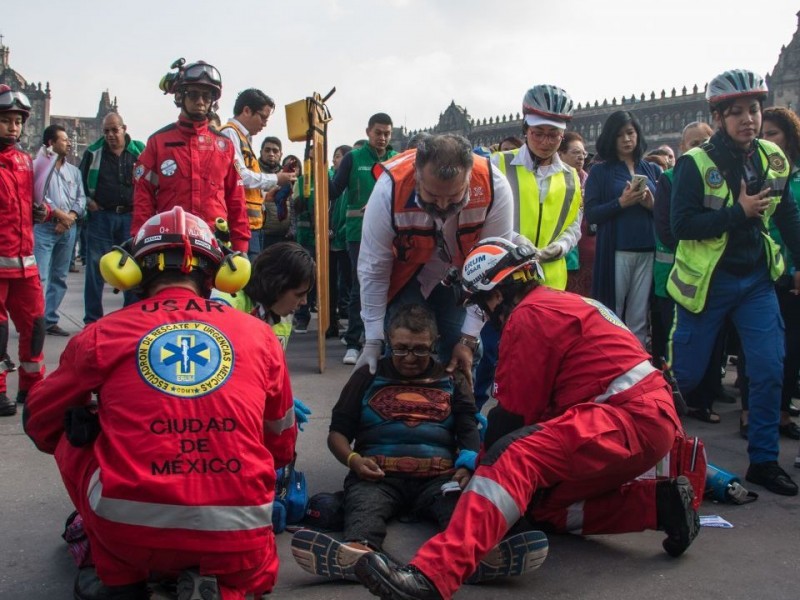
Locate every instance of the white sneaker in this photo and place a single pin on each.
(350, 357)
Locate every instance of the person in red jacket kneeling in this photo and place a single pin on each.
(172, 466)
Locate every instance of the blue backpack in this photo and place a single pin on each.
(291, 497)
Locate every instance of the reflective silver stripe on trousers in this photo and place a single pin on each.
(31, 367)
(627, 380)
(690, 291)
(278, 426)
(575, 518)
(497, 495)
(665, 257)
(172, 516)
(12, 262)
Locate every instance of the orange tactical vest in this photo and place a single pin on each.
(253, 198)
(415, 238)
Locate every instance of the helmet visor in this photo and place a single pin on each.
(9, 100)
(201, 73)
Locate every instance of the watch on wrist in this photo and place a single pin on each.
(469, 342)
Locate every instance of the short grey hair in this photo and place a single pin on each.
(449, 154)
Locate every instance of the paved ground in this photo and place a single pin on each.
(758, 558)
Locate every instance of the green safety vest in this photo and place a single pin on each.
(359, 187)
(696, 260)
(664, 258)
(241, 301)
(542, 220)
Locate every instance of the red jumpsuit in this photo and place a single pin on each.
(596, 414)
(21, 295)
(196, 413)
(189, 165)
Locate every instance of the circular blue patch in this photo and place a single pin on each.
(186, 359)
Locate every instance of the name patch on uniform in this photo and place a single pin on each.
(714, 178)
(608, 314)
(168, 167)
(776, 161)
(186, 359)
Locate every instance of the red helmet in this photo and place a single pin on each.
(177, 239)
(11, 101)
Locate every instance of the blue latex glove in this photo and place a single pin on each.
(467, 459)
(482, 425)
(301, 413)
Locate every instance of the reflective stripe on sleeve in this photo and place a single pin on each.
(172, 516)
(497, 495)
(627, 380)
(278, 426)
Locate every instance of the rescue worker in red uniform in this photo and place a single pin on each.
(188, 164)
(173, 466)
(21, 295)
(571, 432)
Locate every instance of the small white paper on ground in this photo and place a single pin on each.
(714, 521)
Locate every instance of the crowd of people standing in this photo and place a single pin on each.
(449, 264)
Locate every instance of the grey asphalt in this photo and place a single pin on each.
(758, 558)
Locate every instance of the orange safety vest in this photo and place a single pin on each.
(415, 238)
(253, 198)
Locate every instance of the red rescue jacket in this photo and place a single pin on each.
(186, 164)
(16, 214)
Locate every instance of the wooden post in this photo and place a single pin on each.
(317, 117)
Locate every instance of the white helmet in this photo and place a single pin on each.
(548, 101)
(735, 83)
(492, 260)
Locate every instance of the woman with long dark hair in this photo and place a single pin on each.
(619, 200)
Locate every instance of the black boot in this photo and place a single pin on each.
(771, 476)
(400, 583)
(676, 515)
(8, 408)
(22, 396)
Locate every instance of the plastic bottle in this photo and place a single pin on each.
(720, 484)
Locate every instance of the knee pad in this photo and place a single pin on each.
(37, 336)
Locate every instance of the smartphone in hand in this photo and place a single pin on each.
(639, 183)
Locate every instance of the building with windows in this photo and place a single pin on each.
(662, 115)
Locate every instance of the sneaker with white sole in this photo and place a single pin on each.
(320, 554)
(516, 555)
(350, 357)
(193, 586)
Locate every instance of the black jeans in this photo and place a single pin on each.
(368, 505)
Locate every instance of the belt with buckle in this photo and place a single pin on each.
(122, 209)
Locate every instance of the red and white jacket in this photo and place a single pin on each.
(196, 413)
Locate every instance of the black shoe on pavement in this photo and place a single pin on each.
(399, 583)
(56, 330)
(22, 396)
(790, 430)
(8, 408)
(193, 586)
(676, 515)
(770, 475)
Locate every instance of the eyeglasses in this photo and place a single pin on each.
(195, 95)
(11, 99)
(578, 153)
(550, 137)
(264, 117)
(419, 351)
(113, 130)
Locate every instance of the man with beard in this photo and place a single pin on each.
(428, 208)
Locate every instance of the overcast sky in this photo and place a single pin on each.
(409, 58)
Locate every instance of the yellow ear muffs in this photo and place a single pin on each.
(233, 274)
(119, 269)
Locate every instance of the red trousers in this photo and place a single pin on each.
(120, 563)
(22, 299)
(585, 461)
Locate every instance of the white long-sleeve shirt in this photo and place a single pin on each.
(570, 236)
(250, 179)
(376, 256)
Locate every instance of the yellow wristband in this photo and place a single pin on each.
(350, 457)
